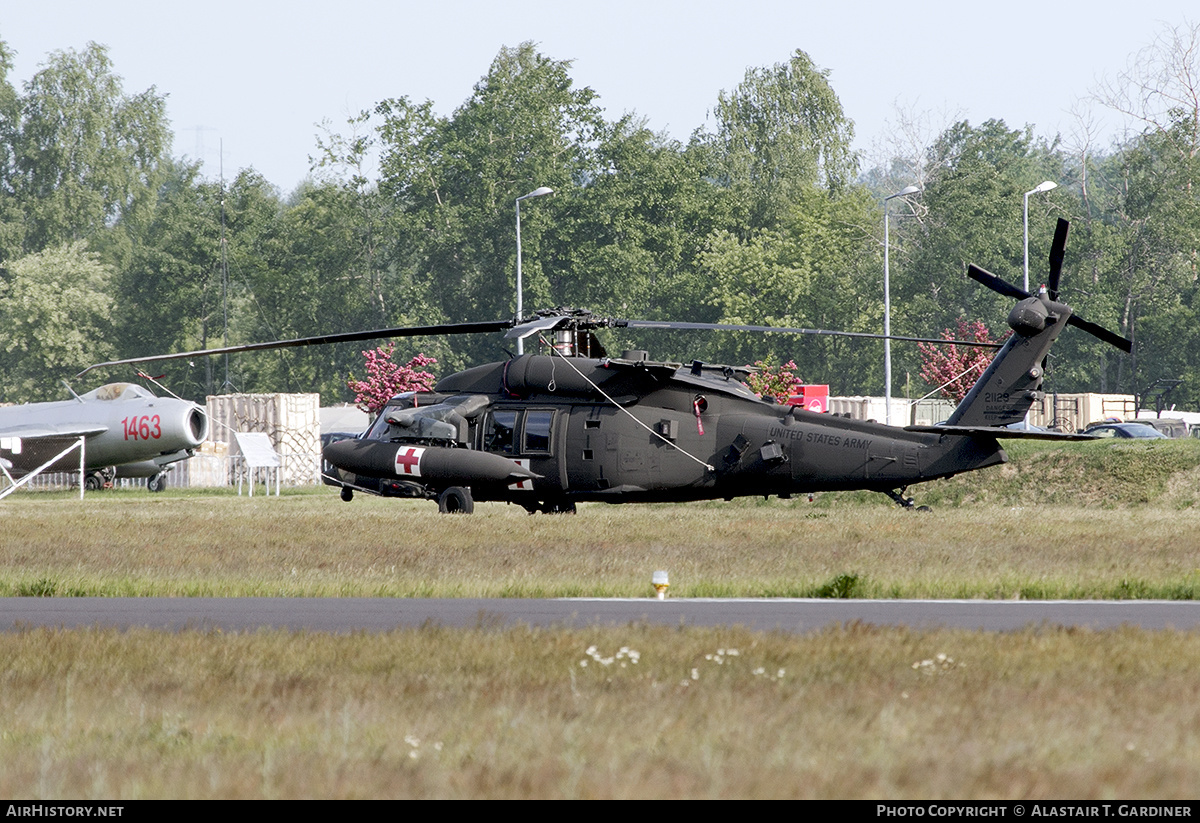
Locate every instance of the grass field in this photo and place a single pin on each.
(654, 713)
(627, 712)
(1091, 520)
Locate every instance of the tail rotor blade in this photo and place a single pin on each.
(995, 283)
(1056, 260)
(1112, 338)
(1057, 251)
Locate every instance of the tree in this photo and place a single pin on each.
(12, 222)
(628, 239)
(55, 318)
(173, 291)
(971, 212)
(776, 382)
(818, 269)
(454, 180)
(350, 207)
(84, 154)
(170, 279)
(1153, 214)
(952, 369)
(386, 378)
(780, 132)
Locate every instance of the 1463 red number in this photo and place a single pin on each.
(146, 427)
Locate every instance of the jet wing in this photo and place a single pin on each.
(42, 431)
(998, 432)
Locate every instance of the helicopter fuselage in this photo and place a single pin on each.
(633, 430)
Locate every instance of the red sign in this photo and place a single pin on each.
(815, 398)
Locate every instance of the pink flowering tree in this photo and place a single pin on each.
(779, 382)
(387, 378)
(958, 366)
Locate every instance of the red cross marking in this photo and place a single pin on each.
(522, 485)
(408, 461)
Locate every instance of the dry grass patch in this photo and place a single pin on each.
(315, 545)
(623, 713)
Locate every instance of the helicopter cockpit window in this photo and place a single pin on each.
(498, 437)
(537, 430)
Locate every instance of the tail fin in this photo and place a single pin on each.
(1013, 381)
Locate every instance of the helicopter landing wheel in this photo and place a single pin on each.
(559, 507)
(905, 503)
(347, 493)
(456, 500)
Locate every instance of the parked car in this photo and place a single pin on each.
(1132, 430)
(1170, 426)
(1023, 425)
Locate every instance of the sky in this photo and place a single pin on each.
(249, 83)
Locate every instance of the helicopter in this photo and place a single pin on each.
(126, 431)
(548, 431)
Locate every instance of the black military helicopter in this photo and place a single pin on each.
(546, 431)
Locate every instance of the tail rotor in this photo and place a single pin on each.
(1057, 252)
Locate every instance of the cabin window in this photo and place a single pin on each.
(537, 430)
(512, 431)
(498, 438)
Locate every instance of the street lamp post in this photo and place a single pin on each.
(538, 192)
(1044, 186)
(887, 306)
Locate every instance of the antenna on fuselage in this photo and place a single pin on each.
(71, 390)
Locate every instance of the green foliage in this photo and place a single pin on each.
(820, 269)
(972, 213)
(454, 180)
(761, 220)
(627, 240)
(55, 318)
(84, 153)
(781, 132)
(168, 289)
(841, 587)
(1150, 280)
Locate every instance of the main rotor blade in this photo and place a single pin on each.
(667, 324)
(534, 326)
(1058, 250)
(344, 337)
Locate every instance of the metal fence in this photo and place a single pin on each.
(201, 471)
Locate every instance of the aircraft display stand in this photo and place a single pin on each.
(13, 485)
